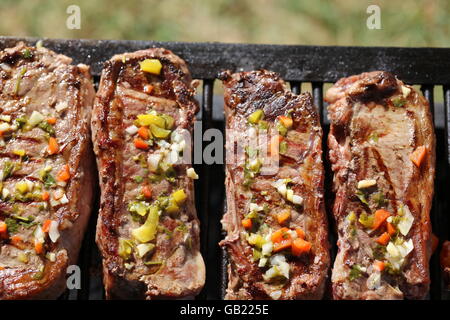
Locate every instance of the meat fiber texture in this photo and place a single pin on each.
(39, 80)
(177, 269)
(300, 162)
(377, 123)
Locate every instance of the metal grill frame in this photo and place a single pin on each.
(296, 64)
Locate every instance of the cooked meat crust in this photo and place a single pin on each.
(43, 189)
(175, 268)
(378, 127)
(300, 155)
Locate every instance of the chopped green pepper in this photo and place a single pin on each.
(47, 127)
(366, 220)
(125, 248)
(398, 102)
(355, 272)
(256, 116)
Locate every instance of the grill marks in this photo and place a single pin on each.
(245, 93)
(361, 106)
(49, 78)
(123, 94)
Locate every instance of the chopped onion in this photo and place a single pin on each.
(6, 118)
(61, 106)
(39, 235)
(5, 193)
(406, 91)
(132, 130)
(267, 248)
(4, 126)
(255, 207)
(282, 189)
(192, 174)
(366, 183)
(51, 256)
(374, 281)
(275, 295)
(290, 194)
(35, 118)
(53, 231)
(64, 199)
(297, 199)
(262, 262)
(153, 161)
(406, 221)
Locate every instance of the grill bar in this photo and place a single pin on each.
(207, 101)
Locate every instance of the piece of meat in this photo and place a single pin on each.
(265, 195)
(137, 174)
(44, 100)
(379, 126)
(444, 258)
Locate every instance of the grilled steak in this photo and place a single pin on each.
(382, 150)
(147, 231)
(275, 221)
(45, 158)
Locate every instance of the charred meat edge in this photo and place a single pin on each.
(245, 93)
(352, 101)
(176, 83)
(50, 70)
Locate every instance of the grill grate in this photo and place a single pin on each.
(298, 65)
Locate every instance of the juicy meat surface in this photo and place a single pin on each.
(138, 123)
(382, 151)
(46, 167)
(275, 221)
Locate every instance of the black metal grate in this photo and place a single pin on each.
(316, 65)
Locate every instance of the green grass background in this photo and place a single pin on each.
(404, 23)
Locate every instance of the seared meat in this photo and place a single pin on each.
(46, 167)
(382, 151)
(275, 220)
(445, 264)
(147, 231)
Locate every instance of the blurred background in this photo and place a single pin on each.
(320, 22)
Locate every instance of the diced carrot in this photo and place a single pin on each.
(51, 120)
(17, 242)
(300, 233)
(418, 155)
(147, 191)
(3, 230)
(284, 244)
(38, 247)
(300, 246)
(384, 239)
(247, 223)
(286, 121)
(275, 145)
(283, 216)
(45, 196)
(143, 133)
(46, 225)
(64, 174)
(140, 144)
(280, 235)
(53, 147)
(148, 88)
(390, 229)
(380, 216)
(379, 265)
(2, 268)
